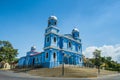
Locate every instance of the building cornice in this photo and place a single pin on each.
(52, 33)
(71, 39)
(52, 47)
(63, 36)
(52, 27)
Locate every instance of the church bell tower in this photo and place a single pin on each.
(51, 42)
(51, 32)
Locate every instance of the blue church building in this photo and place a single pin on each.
(58, 49)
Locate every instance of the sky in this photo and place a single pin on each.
(23, 23)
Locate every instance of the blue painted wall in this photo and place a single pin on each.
(58, 48)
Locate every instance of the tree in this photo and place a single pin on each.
(97, 56)
(109, 62)
(108, 59)
(7, 52)
(105, 62)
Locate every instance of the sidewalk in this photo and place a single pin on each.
(103, 76)
(26, 75)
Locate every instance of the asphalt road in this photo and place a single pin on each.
(9, 75)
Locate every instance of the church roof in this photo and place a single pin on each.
(68, 35)
(35, 53)
(53, 17)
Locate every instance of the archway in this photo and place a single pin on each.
(33, 62)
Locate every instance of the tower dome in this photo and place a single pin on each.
(76, 30)
(53, 17)
(75, 33)
(52, 21)
(33, 48)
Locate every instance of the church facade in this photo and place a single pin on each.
(58, 49)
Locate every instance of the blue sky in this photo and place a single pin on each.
(23, 22)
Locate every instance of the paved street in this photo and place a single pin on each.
(110, 77)
(9, 75)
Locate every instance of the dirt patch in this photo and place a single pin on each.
(68, 72)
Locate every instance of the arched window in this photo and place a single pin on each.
(33, 62)
(36, 59)
(46, 55)
(69, 44)
(49, 23)
(80, 59)
(54, 55)
(54, 39)
(55, 23)
(79, 48)
(47, 39)
(40, 59)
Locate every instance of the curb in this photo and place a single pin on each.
(103, 76)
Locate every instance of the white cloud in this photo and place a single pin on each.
(107, 50)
